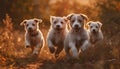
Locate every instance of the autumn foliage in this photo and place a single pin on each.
(13, 53)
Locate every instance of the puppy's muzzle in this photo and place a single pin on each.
(30, 29)
(57, 26)
(94, 31)
(76, 26)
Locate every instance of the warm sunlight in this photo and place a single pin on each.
(59, 34)
(83, 2)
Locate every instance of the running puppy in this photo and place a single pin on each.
(56, 34)
(94, 29)
(33, 36)
(77, 38)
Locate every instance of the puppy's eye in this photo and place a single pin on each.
(72, 21)
(61, 22)
(79, 20)
(55, 22)
(96, 26)
(26, 24)
(33, 24)
(91, 26)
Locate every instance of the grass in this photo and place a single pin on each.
(14, 55)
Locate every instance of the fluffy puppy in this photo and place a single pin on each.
(94, 29)
(77, 38)
(33, 36)
(56, 34)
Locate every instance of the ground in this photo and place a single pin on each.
(14, 55)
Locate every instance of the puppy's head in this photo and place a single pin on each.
(31, 24)
(77, 21)
(58, 23)
(94, 27)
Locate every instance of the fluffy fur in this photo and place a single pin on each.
(94, 29)
(56, 34)
(77, 39)
(33, 36)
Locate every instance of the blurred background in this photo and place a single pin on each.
(14, 55)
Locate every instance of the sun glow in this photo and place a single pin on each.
(83, 2)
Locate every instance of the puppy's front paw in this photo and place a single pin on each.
(52, 49)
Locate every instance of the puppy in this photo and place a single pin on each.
(33, 36)
(56, 34)
(94, 29)
(77, 38)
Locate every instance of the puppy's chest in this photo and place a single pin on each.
(94, 38)
(58, 39)
(79, 39)
(34, 40)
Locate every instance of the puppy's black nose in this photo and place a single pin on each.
(30, 28)
(76, 26)
(58, 26)
(93, 30)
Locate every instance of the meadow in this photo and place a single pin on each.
(14, 55)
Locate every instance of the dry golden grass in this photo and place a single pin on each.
(14, 55)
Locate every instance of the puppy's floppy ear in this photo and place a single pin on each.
(69, 16)
(52, 18)
(65, 18)
(84, 17)
(89, 23)
(38, 20)
(99, 24)
(23, 22)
